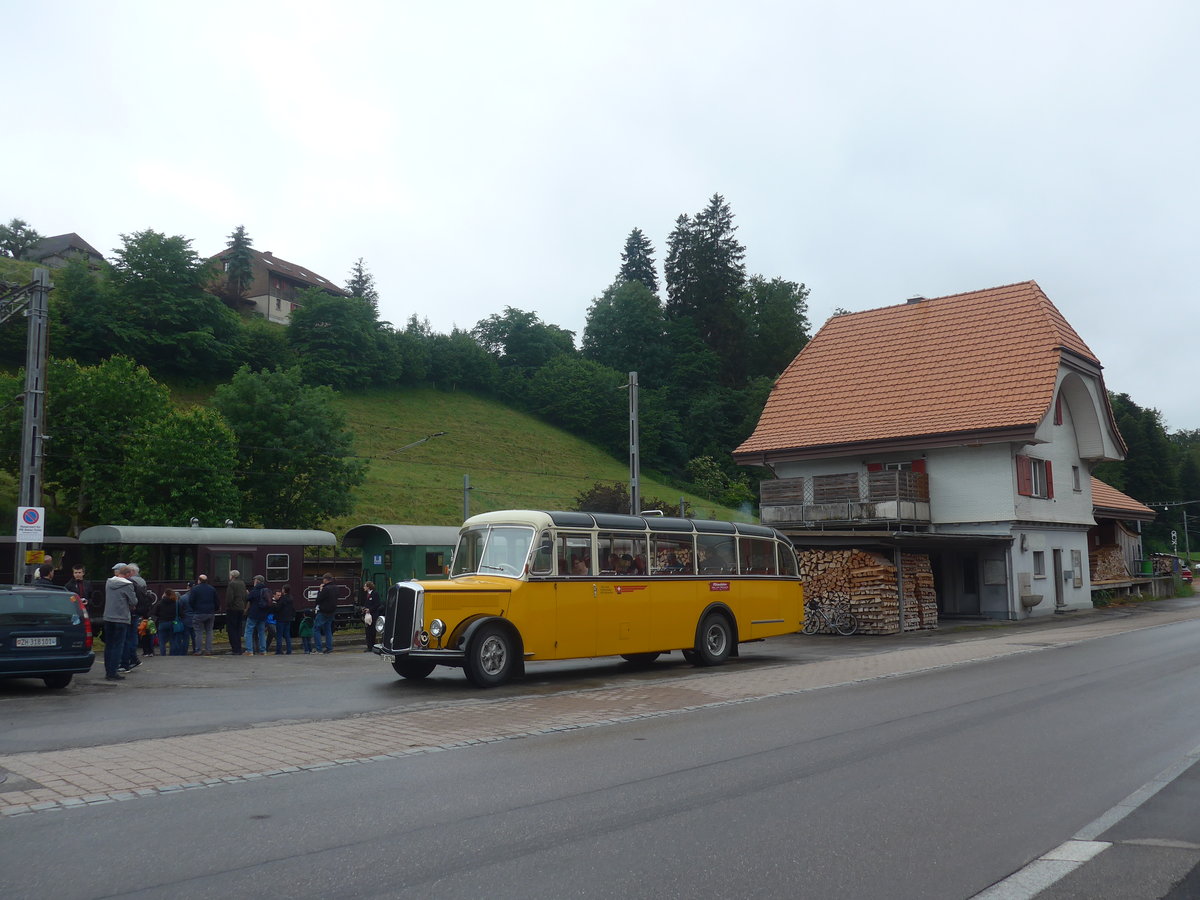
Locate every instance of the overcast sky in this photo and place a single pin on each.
(479, 155)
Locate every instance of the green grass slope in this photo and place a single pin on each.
(513, 460)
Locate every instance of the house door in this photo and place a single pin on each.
(1058, 579)
(956, 580)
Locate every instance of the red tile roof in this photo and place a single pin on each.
(1107, 499)
(984, 361)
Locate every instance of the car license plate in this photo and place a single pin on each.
(37, 642)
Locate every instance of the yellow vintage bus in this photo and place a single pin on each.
(529, 585)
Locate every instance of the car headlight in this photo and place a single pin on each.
(437, 628)
(379, 620)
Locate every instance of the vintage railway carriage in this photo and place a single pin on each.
(172, 557)
(530, 585)
(392, 553)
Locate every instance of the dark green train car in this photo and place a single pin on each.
(392, 553)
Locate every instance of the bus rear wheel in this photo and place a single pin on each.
(716, 640)
(413, 669)
(490, 657)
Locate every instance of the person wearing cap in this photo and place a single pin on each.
(204, 605)
(119, 603)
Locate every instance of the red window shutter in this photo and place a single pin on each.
(1058, 410)
(1024, 476)
(918, 465)
(874, 467)
(1049, 482)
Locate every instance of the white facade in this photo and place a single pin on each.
(1037, 563)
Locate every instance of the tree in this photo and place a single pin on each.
(637, 261)
(17, 238)
(583, 397)
(777, 311)
(162, 315)
(456, 360)
(239, 264)
(626, 330)
(295, 465)
(705, 277)
(177, 466)
(337, 339)
(361, 284)
(521, 340)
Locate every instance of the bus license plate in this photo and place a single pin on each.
(37, 642)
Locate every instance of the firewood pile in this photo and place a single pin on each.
(1108, 564)
(866, 584)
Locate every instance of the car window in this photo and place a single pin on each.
(38, 608)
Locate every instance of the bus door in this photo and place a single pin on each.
(625, 596)
(576, 597)
(677, 607)
(761, 603)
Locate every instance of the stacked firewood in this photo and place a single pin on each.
(1108, 564)
(866, 584)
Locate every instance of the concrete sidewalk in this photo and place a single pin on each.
(105, 774)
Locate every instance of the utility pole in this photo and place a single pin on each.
(34, 421)
(635, 496)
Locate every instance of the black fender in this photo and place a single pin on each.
(723, 608)
(466, 629)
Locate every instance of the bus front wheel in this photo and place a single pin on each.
(491, 656)
(716, 640)
(413, 669)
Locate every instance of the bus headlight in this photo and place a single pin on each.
(379, 620)
(437, 628)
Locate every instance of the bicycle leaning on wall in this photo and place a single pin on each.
(819, 617)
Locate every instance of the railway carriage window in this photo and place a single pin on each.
(435, 563)
(756, 557)
(574, 553)
(221, 564)
(279, 566)
(672, 556)
(621, 554)
(717, 554)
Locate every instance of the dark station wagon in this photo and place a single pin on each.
(44, 633)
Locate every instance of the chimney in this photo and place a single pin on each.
(916, 298)
(267, 253)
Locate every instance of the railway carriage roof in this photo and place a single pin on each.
(155, 534)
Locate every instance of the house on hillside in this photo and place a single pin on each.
(962, 428)
(275, 284)
(55, 252)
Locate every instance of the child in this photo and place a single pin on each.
(306, 631)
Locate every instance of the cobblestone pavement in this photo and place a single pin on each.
(83, 776)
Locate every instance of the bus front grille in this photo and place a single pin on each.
(400, 611)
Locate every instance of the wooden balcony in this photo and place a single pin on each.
(887, 498)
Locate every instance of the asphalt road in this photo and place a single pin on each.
(924, 786)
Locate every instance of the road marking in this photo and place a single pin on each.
(1044, 871)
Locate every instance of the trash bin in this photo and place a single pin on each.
(1147, 567)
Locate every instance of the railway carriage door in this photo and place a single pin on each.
(576, 597)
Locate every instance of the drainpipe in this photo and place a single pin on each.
(900, 585)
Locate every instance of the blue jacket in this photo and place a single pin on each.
(203, 599)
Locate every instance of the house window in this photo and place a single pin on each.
(1076, 484)
(1034, 478)
(1058, 417)
(1039, 563)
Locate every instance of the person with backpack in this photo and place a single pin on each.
(258, 606)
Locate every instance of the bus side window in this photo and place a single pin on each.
(543, 557)
(757, 556)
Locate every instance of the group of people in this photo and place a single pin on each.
(257, 616)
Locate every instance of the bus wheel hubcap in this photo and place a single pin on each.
(491, 655)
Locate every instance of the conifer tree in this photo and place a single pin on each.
(362, 284)
(239, 270)
(637, 261)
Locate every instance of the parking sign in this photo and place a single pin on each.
(30, 523)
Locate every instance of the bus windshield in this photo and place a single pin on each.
(492, 550)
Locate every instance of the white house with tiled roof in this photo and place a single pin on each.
(962, 426)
